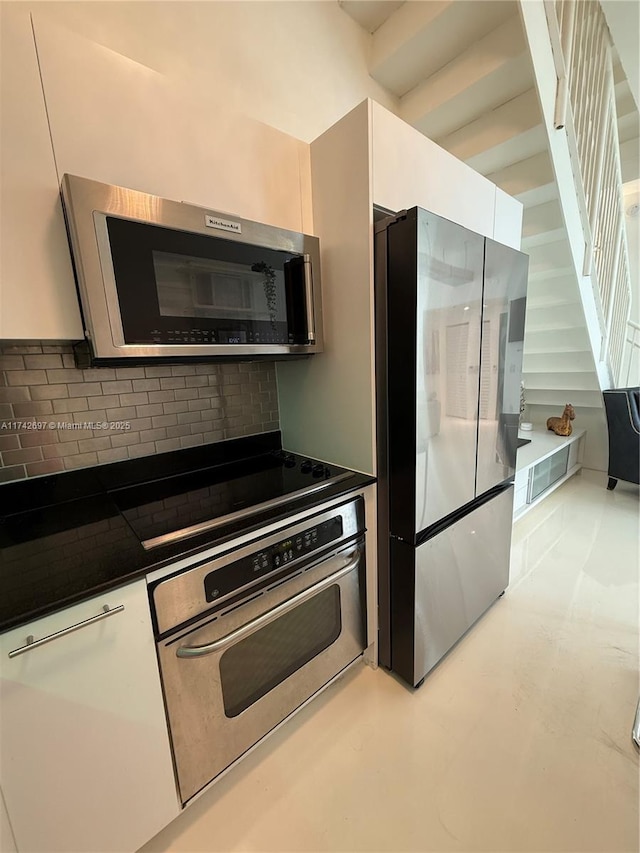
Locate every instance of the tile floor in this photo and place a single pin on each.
(518, 741)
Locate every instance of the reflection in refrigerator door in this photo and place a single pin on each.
(504, 301)
(437, 291)
(452, 578)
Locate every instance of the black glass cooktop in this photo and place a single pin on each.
(188, 504)
(67, 536)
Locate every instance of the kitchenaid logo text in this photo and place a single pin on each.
(222, 224)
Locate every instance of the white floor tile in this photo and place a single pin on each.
(518, 741)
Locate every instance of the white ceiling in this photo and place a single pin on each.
(370, 14)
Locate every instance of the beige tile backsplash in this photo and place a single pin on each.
(55, 417)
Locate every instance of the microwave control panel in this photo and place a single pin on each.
(221, 336)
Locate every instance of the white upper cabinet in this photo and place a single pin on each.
(370, 157)
(149, 131)
(37, 289)
(86, 763)
(325, 402)
(410, 170)
(507, 224)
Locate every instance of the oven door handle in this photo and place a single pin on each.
(270, 615)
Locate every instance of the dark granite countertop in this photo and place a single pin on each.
(66, 537)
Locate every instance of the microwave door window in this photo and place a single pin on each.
(178, 287)
(218, 290)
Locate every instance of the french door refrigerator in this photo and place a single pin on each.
(449, 337)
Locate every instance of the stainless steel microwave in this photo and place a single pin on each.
(161, 279)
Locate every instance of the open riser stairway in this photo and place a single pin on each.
(465, 75)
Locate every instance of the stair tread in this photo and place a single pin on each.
(557, 352)
(504, 122)
(562, 307)
(590, 382)
(542, 217)
(564, 326)
(494, 69)
(560, 288)
(538, 195)
(551, 273)
(533, 347)
(560, 328)
(566, 296)
(436, 117)
(542, 238)
(419, 39)
(567, 323)
(498, 157)
(525, 174)
(562, 370)
(586, 399)
(628, 128)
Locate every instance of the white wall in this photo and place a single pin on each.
(631, 196)
(630, 374)
(297, 66)
(327, 402)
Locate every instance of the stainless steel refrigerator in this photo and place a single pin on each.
(449, 338)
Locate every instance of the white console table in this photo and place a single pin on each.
(544, 464)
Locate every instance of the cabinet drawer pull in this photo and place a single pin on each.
(32, 644)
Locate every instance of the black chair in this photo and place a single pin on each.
(623, 419)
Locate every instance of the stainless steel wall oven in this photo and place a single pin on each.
(246, 638)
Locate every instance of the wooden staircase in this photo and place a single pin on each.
(462, 74)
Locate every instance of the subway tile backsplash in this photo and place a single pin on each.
(55, 417)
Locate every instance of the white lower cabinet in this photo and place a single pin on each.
(544, 464)
(85, 761)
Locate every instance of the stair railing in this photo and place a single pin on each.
(586, 110)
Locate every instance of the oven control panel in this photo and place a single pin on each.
(246, 568)
(245, 571)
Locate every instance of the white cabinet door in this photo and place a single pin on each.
(507, 225)
(85, 757)
(37, 290)
(409, 170)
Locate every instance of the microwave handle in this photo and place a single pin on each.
(270, 615)
(308, 296)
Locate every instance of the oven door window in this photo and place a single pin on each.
(257, 664)
(175, 287)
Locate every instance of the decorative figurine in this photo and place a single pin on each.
(562, 426)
